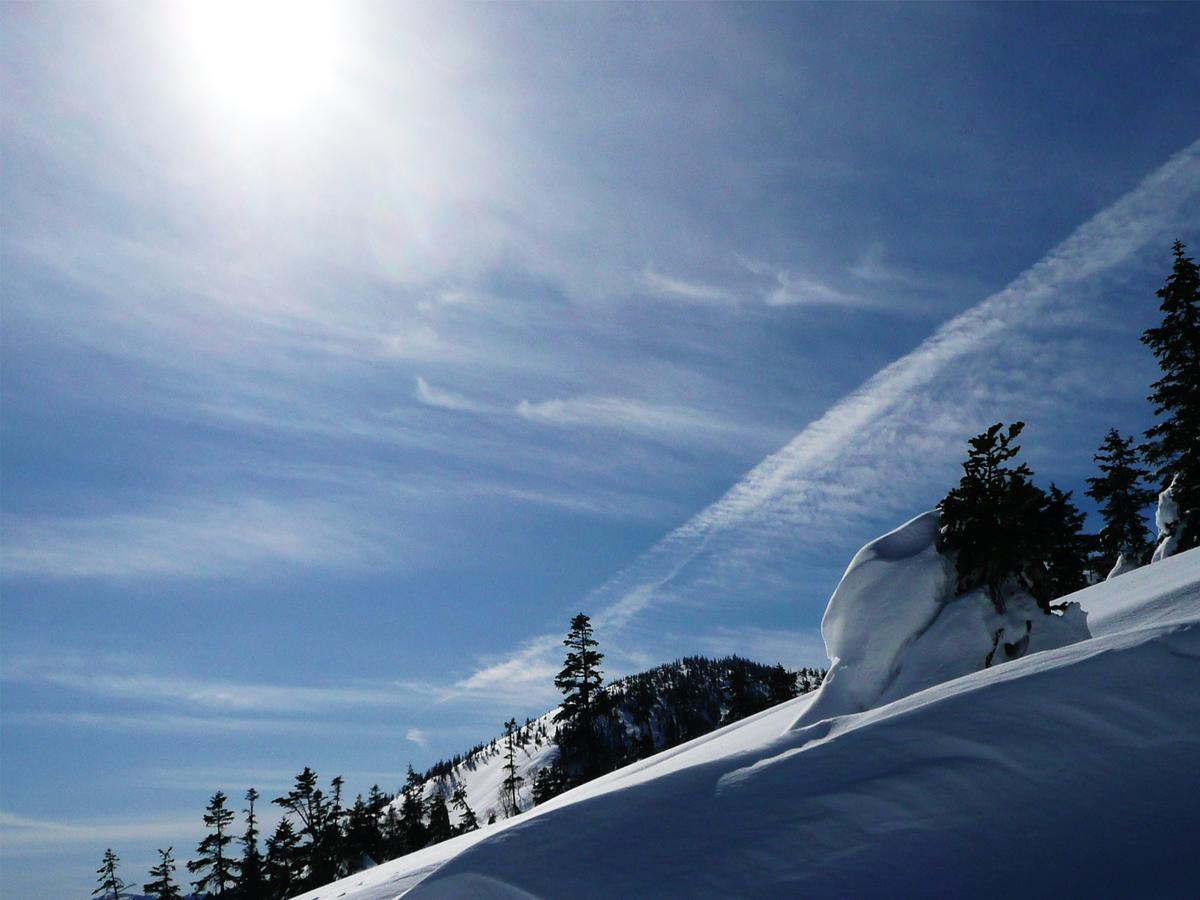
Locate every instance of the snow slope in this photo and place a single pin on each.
(1074, 771)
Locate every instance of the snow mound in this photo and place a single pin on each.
(894, 626)
(1065, 773)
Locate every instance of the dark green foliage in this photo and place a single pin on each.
(439, 819)
(284, 864)
(547, 782)
(414, 834)
(163, 887)
(466, 816)
(1173, 444)
(1067, 550)
(991, 521)
(251, 877)
(110, 883)
(364, 835)
(580, 678)
(212, 853)
(1120, 492)
(318, 819)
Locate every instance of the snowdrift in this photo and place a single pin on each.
(1072, 771)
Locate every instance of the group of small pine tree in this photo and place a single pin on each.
(1007, 534)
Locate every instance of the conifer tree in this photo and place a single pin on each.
(314, 812)
(466, 816)
(580, 678)
(412, 813)
(439, 819)
(251, 878)
(283, 861)
(509, 800)
(1120, 492)
(211, 852)
(163, 887)
(991, 519)
(1173, 443)
(1067, 548)
(110, 882)
(362, 832)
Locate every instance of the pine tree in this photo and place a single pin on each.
(991, 520)
(1173, 444)
(466, 816)
(362, 833)
(580, 678)
(440, 828)
(110, 883)
(251, 879)
(163, 886)
(1067, 548)
(509, 799)
(283, 861)
(1121, 495)
(212, 854)
(412, 813)
(308, 803)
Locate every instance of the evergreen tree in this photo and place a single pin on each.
(992, 520)
(314, 812)
(283, 862)
(163, 887)
(251, 878)
(412, 813)
(580, 678)
(440, 828)
(110, 882)
(362, 833)
(211, 852)
(466, 816)
(509, 800)
(781, 684)
(546, 784)
(1067, 548)
(1173, 443)
(1121, 495)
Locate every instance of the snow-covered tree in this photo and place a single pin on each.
(1173, 443)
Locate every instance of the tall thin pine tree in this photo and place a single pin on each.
(1173, 443)
(212, 854)
(1122, 496)
(163, 887)
(110, 882)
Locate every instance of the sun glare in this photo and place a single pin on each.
(262, 57)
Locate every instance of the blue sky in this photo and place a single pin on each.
(332, 390)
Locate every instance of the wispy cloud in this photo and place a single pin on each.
(787, 288)
(685, 290)
(22, 835)
(443, 399)
(882, 451)
(195, 537)
(621, 413)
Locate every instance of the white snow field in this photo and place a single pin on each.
(1069, 772)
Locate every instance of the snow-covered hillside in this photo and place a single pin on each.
(1072, 771)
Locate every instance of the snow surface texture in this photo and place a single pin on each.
(1166, 519)
(1069, 772)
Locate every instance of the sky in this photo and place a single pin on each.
(347, 351)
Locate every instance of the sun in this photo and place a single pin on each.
(263, 58)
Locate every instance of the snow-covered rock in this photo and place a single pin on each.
(894, 626)
(1120, 567)
(1166, 520)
